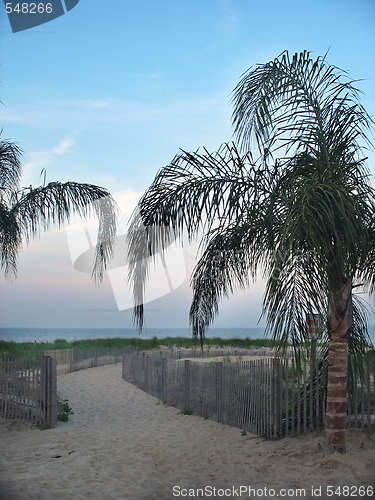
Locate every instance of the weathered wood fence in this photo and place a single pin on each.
(28, 390)
(361, 394)
(74, 359)
(70, 360)
(273, 397)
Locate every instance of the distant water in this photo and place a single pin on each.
(70, 334)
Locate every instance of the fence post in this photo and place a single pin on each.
(276, 410)
(43, 390)
(164, 377)
(368, 393)
(53, 392)
(49, 391)
(219, 390)
(312, 382)
(187, 384)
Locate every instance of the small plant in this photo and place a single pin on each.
(64, 410)
(187, 411)
(66, 407)
(243, 433)
(63, 417)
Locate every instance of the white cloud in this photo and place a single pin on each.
(41, 159)
(65, 146)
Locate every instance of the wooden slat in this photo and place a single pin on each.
(270, 397)
(21, 390)
(304, 384)
(293, 401)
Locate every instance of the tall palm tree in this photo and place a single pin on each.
(24, 212)
(299, 209)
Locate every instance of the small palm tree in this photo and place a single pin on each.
(299, 209)
(24, 212)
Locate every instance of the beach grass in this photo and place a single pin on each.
(14, 350)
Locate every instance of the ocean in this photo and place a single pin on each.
(71, 334)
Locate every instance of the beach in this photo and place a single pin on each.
(122, 443)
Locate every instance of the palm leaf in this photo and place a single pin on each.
(25, 212)
(187, 198)
(10, 168)
(298, 103)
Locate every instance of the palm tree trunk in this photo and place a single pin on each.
(340, 316)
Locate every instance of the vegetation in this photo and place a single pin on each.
(11, 350)
(64, 410)
(187, 411)
(293, 201)
(25, 211)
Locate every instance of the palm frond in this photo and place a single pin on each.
(186, 198)
(293, 291)
(325, 212)
(359, 340)
(207, 186)
(10, 240)
(366, 271)
(39, 208)
(298, 102)
(10, 168)
(233, 256)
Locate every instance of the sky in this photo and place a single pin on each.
(108, 93)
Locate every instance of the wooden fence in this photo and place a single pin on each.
(273, 397)
(361, 392)
(28, 390)
(71, 360)
(212, 352)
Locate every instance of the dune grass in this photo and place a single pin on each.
(13, 350)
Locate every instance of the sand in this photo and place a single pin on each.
(122, 443)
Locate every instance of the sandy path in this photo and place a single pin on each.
(124, 444)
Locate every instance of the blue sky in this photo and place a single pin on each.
(110, 91)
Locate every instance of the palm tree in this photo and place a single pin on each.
(24, 212)
(298, 209)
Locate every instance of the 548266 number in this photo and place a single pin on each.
(28, 8)
(350, 491)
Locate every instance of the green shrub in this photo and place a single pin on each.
(187, 411)
(13, 350)
(64, 410)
